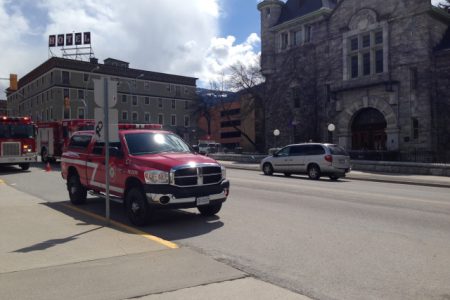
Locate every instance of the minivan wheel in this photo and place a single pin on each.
(334, 177)
(314, 172)
(138, 210)
(267, 169)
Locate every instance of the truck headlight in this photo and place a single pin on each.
(156, 177)
(224, 172)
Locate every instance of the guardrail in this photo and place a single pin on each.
(360, 165)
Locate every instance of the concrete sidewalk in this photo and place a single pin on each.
(424, 180)
(51, 251)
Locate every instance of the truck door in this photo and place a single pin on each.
(95, 171)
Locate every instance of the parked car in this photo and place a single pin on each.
(313, 159)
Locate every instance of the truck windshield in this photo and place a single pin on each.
(16, 131)
(150, 143)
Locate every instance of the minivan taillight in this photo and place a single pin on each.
(329, 158)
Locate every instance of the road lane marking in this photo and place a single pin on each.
(127, 228)
(336, 192)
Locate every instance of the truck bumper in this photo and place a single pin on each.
(14, 160)
(189, 197)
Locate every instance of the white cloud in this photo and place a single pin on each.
(171, 36)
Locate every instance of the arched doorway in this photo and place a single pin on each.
(369, 130)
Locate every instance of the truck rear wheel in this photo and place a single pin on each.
(77, 192)
(138, 210)
(209, 210)
(24, 167)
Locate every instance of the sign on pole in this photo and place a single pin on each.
(99, 114)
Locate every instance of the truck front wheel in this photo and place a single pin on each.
(77, 192)
(209, 210)
(24, 167)
(138, 210)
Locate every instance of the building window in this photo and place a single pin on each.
(232, 134)
(147, 101)
(415, 126)
(135, 100)
(51, 77)
(186, 104)
(85, 77)
(173, 104)
(268, 12)
(124, 116)
(160, 103)
(124, 98)
(81, 112)
(146, 85)
(80, 94)
(232, 123)
(365, 54)
(160, 119)
(297, 37)
(230, 112)
(65, 77)
(134, 116)
(51, 113)
(308, 33)
(284, 40)
(366, 64)
(147, 117)
(413, 75)
(173, 120)
(187, 121)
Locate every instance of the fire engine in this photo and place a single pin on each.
(17, 141)
(149, 169)
(54, 136)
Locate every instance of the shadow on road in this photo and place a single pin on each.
(167, 224)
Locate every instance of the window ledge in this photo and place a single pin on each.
(360, 82)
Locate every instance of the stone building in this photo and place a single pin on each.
(378, 70)
(3, 110)
(63, 89)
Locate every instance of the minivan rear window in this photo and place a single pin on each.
(336, 150)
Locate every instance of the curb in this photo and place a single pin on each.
(430, 184)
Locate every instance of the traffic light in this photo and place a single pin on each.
(13, 82)
(66, 102)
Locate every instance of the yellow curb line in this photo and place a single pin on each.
(153, 238)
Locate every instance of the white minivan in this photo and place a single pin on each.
(313, 159)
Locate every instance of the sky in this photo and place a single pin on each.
(198, 38)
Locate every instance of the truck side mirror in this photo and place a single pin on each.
(116, 152)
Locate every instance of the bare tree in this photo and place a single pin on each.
(445, 5)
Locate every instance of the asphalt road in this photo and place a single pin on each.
(323, 239)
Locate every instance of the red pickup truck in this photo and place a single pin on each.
(149, 170)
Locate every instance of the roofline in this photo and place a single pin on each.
(83, 66)
(440, 13)
(307, 17)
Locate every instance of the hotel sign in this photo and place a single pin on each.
(69, 39)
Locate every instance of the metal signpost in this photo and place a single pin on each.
(106, 131)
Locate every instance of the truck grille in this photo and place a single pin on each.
(10, 149)
(195, 176)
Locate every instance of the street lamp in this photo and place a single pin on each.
(96, 68)
(331, 128)
(276, 133)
